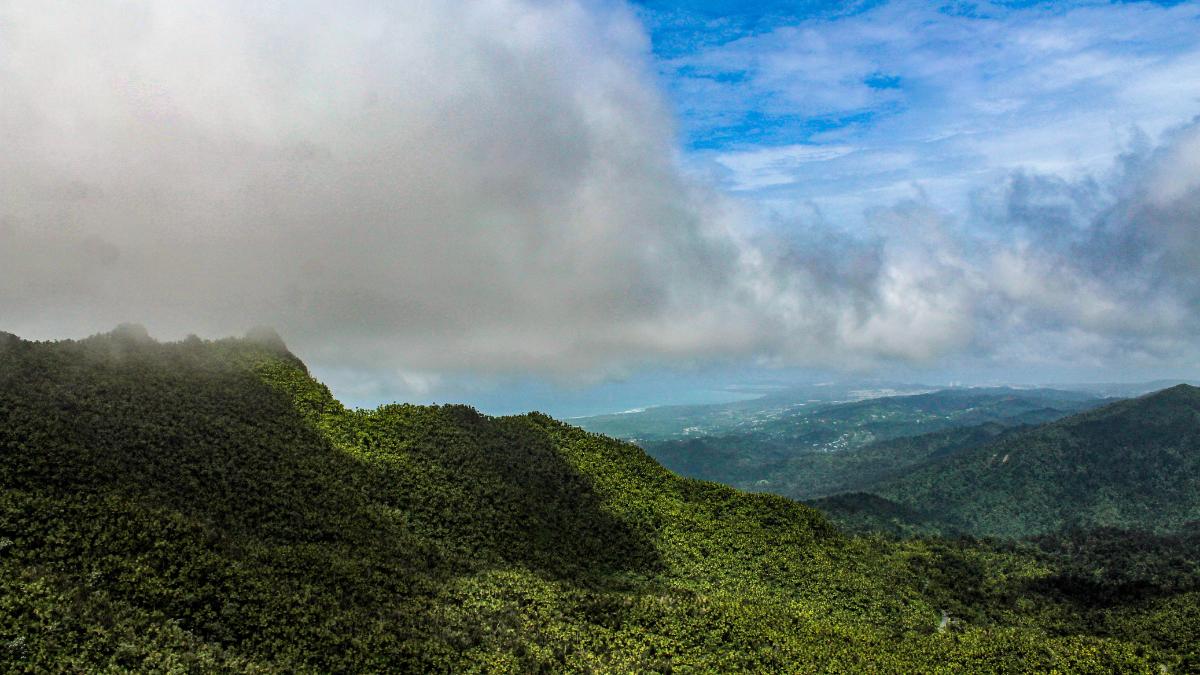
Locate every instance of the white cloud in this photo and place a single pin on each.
(766, 167)
(419, 187)
(490, 187)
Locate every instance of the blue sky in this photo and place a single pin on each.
(590, 205)
(891, 92)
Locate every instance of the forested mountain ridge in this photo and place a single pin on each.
(201, 506)
(1131, 464)
(832, 448)
(816, 475)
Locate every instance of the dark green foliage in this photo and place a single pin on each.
(864, 513)
(1108, 566)
(818, 475)
(207, 506)
(1133, 464)
(815, 475)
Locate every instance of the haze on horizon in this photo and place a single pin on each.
(528, 203)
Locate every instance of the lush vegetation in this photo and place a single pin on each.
(866, 513)
(1131, 464)
(845, 447)
(823, 474)
(1134, 464)
(202, 506)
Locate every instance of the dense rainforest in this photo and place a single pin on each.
(206, 506)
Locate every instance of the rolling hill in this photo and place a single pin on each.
(1132, 464)
(841, 447)
(207, 506)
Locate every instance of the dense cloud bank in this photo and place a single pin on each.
(494, 187)
(1104, 270)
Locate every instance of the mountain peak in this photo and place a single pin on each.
(1182, 389)
(265, 336)
(133, 332)
(1179, 395)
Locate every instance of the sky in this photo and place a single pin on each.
(584, 206)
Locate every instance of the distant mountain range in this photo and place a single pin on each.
(1126, 389)
(982, 461)
(677, 422)
(1131, 464)
(820, 449)
(651, 424)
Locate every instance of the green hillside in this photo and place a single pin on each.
(815, 475)
(207, 506)
(1133, 464)
(849, 446)
(866, 513)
